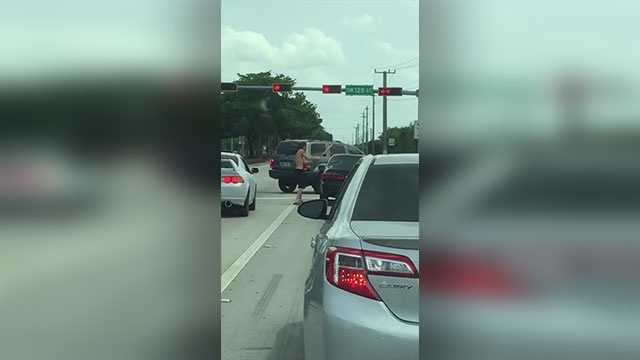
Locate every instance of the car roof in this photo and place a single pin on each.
(389, 159)
(347, 155)
(230, 154)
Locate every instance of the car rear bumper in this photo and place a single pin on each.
(527, 332)
(282, 174)
(345, 326)
(234, 194)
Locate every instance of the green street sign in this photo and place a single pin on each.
(362, 90)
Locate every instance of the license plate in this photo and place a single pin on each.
(285, 164)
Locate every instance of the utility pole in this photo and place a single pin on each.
(357, 134)
(373, 122)
(385, 140)
(364, 133)
(366, 126)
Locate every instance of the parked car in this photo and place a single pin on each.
(361, 296)
(335, 173)
(238, 187)
(283, 164)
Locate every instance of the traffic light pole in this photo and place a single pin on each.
(364, 133)
(366, 126)
(373, 122)
(385, 140)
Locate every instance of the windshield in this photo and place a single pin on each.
(399, 202)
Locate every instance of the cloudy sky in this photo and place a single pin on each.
(328, 42)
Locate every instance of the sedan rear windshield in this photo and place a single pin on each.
(343, 162)
(226, 164)
(288, 148)
(575, 192)
(232, 158)
(388, 193)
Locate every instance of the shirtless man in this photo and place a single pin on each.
(301, 162)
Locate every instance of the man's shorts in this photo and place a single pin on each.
(301, 178)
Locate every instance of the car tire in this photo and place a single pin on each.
(244, 209)
(252, 207)
(323, 196)
(286, 187)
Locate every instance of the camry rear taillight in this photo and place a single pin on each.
(467, 276)
(232, 179)
(330, 176)
(348, 269)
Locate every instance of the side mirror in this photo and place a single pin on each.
(314, 209)
(254, 170)
(321, 167)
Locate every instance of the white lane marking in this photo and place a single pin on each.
(243, 260)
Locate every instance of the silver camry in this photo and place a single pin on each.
(361, 298)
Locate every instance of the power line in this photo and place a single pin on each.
(399, 64)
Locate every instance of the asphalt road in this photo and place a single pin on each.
(265, 261)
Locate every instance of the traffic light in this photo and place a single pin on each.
(331, 89)
(390, 91)
(226, 86)
(278, 88)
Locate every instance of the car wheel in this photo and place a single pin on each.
(286, 187)
(244, 210)
(253, 204)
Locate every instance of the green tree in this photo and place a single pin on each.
(257, 114)
(405, 143)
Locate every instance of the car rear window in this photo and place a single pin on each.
(226, 164)
(287, 148)
(388, 193)
(229, 157)
(564, 191)
(337, 149)
(343, 162)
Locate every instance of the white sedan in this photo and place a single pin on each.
(238, 187)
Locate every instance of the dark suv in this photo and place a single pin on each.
(283, 164)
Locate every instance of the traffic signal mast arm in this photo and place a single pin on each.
(327, 89)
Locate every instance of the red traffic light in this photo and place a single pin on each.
(390, 91)
(280, 87)
(331, 89)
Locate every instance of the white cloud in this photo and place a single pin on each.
(386, 48)
(309, 49)
(363, 20)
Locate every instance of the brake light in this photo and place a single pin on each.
(330, 176)
(468, 276)
(272, 163)
(348, 269)
(232, 179)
